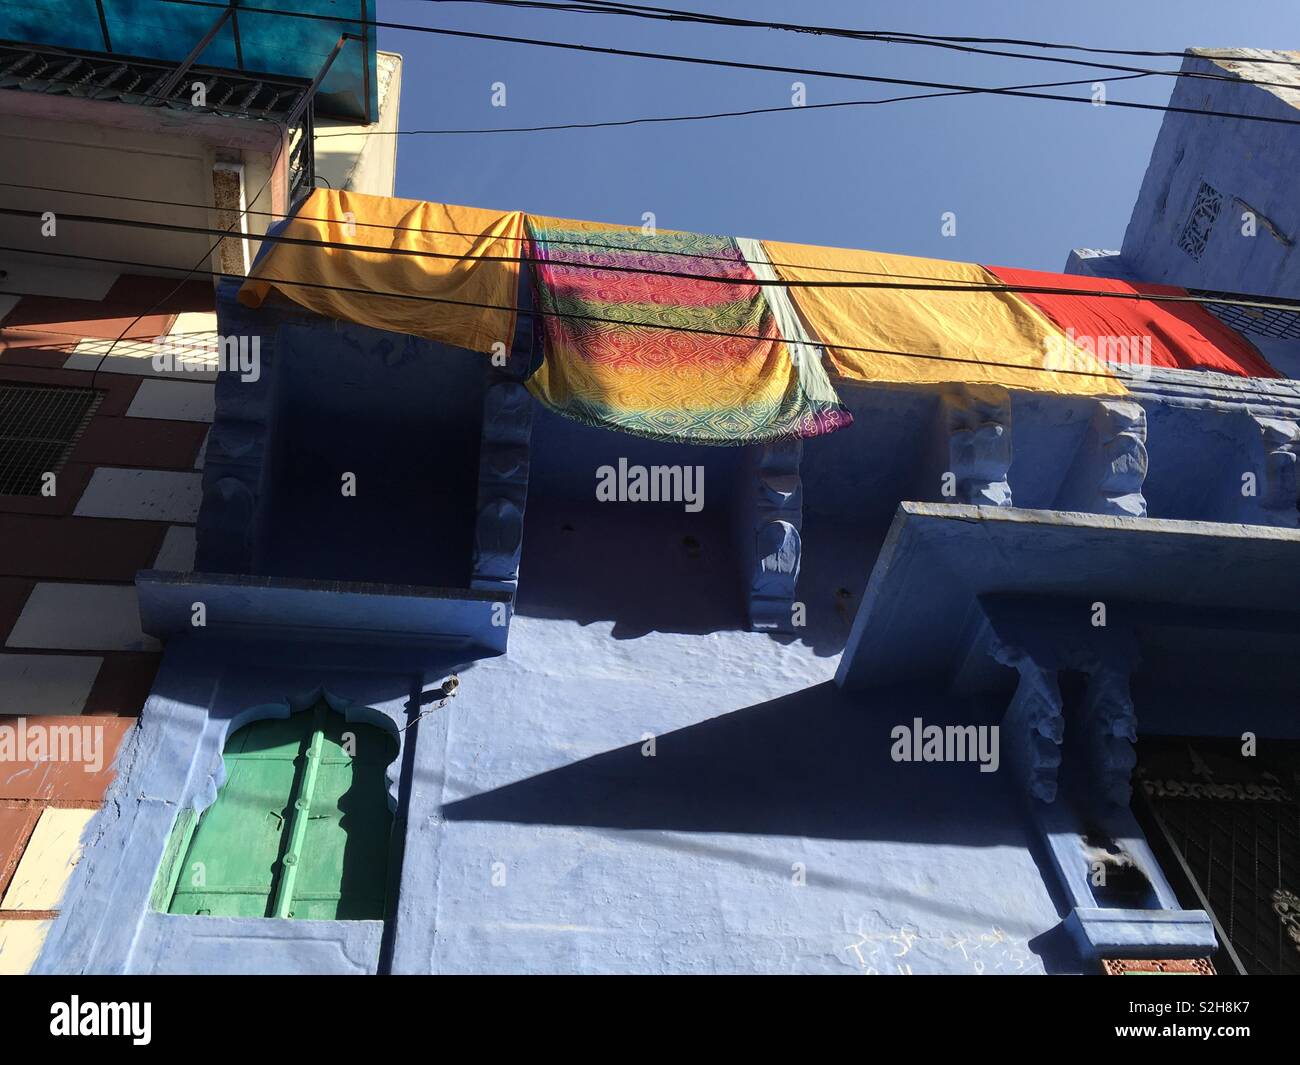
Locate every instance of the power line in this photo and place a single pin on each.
(1228, 392)
(714, 115)
(284, 136)
(703, 256)
(281, 145)
(738, 65)
(608, 6)
(667, 14)
(216, 110)
(938, 284)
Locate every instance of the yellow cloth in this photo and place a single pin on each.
(387, 222)
(977, 327)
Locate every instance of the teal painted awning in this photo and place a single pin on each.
(254, 42)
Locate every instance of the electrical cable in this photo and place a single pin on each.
(738, 65)
(1234, 299)
(666, 14)
(1229, 392)
(711, 115)
(284, 137)
(611, 7)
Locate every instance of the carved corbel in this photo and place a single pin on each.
(776, 574)
(777, 520)
(977, 420)
(1111, 466)
(779, 487)
(1034, 725)
(502, 485)
(1110, 725)
(1275, 489)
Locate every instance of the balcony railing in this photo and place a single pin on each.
(149, 83)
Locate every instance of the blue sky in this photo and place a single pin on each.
(1027, 179)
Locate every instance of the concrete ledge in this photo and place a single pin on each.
(171, 944)
(1142, 933)
(920, 602)
(344, 612)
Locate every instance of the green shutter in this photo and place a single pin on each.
(300, 828)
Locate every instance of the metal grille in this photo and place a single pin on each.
(38, 426)
(1234, 825)
(94, 76)
(1283, 325)
(1204, 213)
(61, 71)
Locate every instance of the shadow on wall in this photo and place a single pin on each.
(650, 569)
(811, 764)
(814, 765)
(375, 461)
(673, 568)
(642, 566)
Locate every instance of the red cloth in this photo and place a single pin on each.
(1183, 335)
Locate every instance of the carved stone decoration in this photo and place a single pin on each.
(498, 540)
(1111, 726)
(776, 573)
(977, 420)
(1119, 434)
(1286, 904)
(1110, 467)
(779, 486)
(231, 439)
(502, 485)
(778, 519)
(507, 412)
(234, 467)
(1277, 491)
(230, 509)
(1034, 725)
(1039, 640)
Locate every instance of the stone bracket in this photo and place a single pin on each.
(1276, 488)
(1111, 730)
(1111, 465)
(235, 465)
(1034, 725)
(777, 522)
(502, 486)
(976, 422)
(1039, 638)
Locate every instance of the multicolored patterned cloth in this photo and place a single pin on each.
(651, 354)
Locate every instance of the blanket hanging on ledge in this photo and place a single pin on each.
(665, 357)
(461, 290)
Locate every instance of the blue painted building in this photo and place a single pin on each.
(1004, 734)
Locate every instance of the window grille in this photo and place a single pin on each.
(1281, 325)
(1227, 829)
(39, 424)
(1204, 213)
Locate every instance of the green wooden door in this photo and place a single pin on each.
(300, 829)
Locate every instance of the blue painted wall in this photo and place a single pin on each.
(642, 784)
(610, 861)
(1252, 165)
